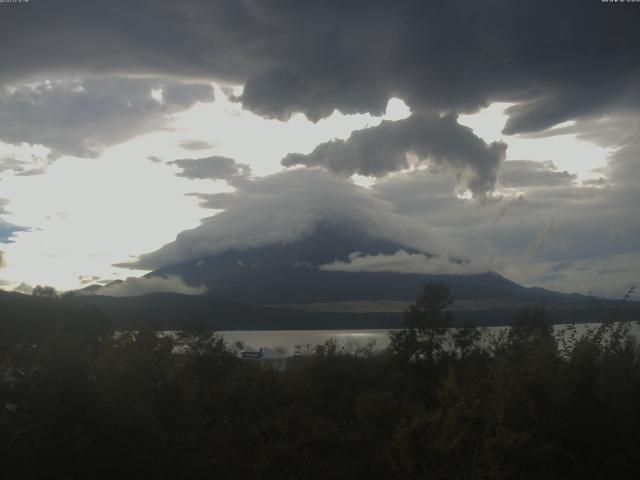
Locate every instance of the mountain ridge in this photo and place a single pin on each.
(289, 273)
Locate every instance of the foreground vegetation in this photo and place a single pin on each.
(78, 401)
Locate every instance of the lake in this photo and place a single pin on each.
(308, 339)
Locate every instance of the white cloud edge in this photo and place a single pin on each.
(404, 262)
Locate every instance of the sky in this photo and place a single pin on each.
(135, 135)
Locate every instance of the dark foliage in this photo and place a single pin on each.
(78, 400)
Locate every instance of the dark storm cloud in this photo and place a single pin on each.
(82, 117)
(186, 39)
(215, 168)
(561, 60)
(380, 150)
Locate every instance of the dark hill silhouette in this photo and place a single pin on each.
(170, 311)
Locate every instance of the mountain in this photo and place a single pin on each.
(279, 286)
(288, 273)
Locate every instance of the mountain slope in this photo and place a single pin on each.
(289, 274)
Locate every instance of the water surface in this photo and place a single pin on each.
(309, 339)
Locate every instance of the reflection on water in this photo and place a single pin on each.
(308, 339)
(289, 339)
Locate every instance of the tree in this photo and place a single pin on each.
(44, 292)
(425, 325)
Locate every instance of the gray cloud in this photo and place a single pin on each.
(11, 164)
(552, 220)
(195, 145)
(284, 207)
(32, 172)
(23, 164)
(380, 150)
(89, 279)
(82, 117)
(218, 201)
(609, 276)
(529, 173)
(215, 167)
(548, 239)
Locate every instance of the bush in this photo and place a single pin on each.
(78, 400)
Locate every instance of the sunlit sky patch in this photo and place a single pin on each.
(81, 216)
(567, 151)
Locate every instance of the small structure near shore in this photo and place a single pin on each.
(267, 358)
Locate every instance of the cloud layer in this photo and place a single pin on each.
(94, 70)
(213, 168)
(133, 287)
(554, 58)
(543, 228)
(282, 208)
(403, 262)
(387, 148)
(82, 117)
